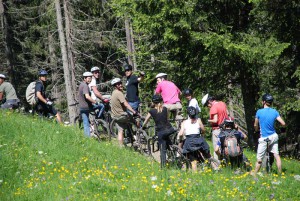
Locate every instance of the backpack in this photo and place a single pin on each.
(231, 146)
(30, 93)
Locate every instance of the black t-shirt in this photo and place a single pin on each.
(39, 86)
(161, 119)
(132, 92)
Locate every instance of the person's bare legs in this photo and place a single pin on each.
(278, 163)
(120, 137)
(58, 118)
(194, 165)
(257, 167)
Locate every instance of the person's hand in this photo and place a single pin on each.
(49, 103)
(135, 114)
(95, 104)
(106, 100)
(142, 73)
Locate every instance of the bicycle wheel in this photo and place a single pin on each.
(113, 129)
(176, 159)
(142, 141)
(103, 131)
(78, 122)
(153, 148)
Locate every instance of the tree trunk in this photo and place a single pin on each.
(130, 44)
(7, 38)
(250, 88)
(67, 74)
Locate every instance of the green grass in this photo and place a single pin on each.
(41, 160)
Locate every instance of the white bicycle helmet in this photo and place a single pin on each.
(204, 100)
(115, 81)
(2, 76)
(95, 68)
(160, 75)
(87, 74)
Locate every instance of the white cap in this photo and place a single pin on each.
(95, 68)
(204, 99)
(115, 80)
(160, 75)
(2, 76)
(87, 74)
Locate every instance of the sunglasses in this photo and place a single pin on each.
(96, 72)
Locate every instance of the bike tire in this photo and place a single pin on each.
(103, 130)
(113, 129)
(78, 122)
(176, 158)
(142, 141)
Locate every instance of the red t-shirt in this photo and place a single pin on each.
(219, 108)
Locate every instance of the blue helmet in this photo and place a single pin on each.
(43, 72)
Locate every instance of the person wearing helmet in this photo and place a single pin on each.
(264, 123)
(44, 105)
(119, 107)
(230, 128)
(162, 126)
(170, 94)
(192, 102)
(132, 85)
(193, 130)
(8, 96)
(95, 94)
(86, 103)
(217, 114)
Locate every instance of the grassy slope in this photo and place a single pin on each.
(40, 160)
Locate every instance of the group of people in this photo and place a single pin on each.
(165, 99)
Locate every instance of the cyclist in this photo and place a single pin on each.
(192, 102)
(192, 129)
(229, 127)
(217, 113)
(264, 122)
(85, 101)
(95, 94)
(44, 105)
(162, 125)
(132, 84)
(119, 106)
(8, 95)
(170, 94)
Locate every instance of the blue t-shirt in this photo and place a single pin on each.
(266, 118)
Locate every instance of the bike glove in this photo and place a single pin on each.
(49, 103)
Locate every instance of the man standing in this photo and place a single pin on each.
(44, 105)
(95, 94)
(217, 114)
(7, 91)
(119, 106)
(169, 92)
(132, 84)
(264, 122)
(85, 101)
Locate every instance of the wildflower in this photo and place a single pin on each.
(276, 182)
(40, 152)
(169, 193)
(211, 181)
(154, 186)
(272, 196)
(297, 177)
(154, 178)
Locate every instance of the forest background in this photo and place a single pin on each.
(235, 50)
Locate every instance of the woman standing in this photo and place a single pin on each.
(162, 126)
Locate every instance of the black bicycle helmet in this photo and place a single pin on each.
(157, 98)
(268, 98)
(127, 67)
(187, 92)
(192, 112)
(228, 122)
(43, 72)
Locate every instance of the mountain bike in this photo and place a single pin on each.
(267, 156)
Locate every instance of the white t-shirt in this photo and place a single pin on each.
(194, 103)
(92, 84)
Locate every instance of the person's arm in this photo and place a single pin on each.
(281, 121)
(141, 77)
(158, 89)
(1, 96)
(126, 104)
(256, 127)
(40, 97)
(181, 132)
(97, 93)
(89, 98)
(201, 126)
(147, 118)
(214, 119)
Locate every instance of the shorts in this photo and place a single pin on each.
(172, 107)
(135, 105)
(10, 104)
(45, 110)
(123, 121)
(262, 146)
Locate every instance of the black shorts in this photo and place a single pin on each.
(45, 110)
